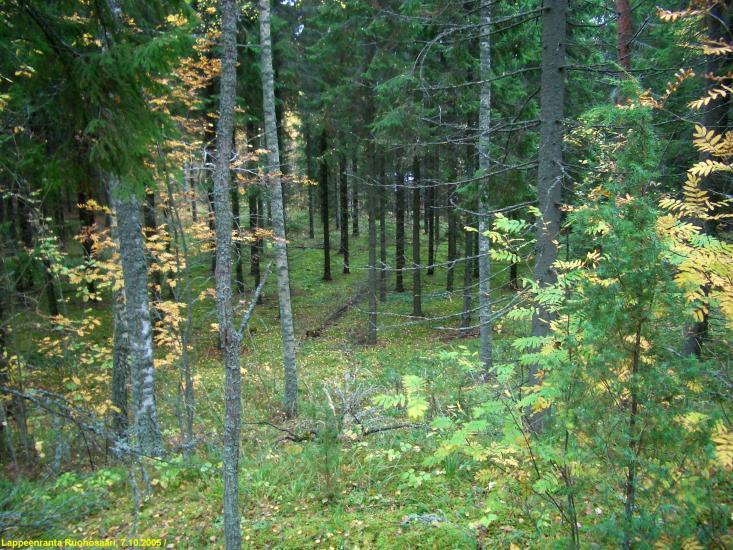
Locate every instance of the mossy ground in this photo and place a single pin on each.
(329, 493)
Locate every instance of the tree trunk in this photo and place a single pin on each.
(137, 309)
(633, 438)
(467, 280)
(715, 117)
(354, 197)
(323, 184)
(344, 200)
(550, 169)
(399, 231)
(228, 336)
(192, 180)
(437, 203)
(371, 208)
(212, 221)
(381, 189)
(311, 178)
(53, 303)
(209, 143)
(336, 178)
(150, 225)
(150, 229)
(120, 357)
(86, 217)
(474, 223)
(452, 252)
(416, 270)
(120, 366)
(237, 231)
(254, 249)
(281, 251)
(186, 389)
(484, 160)
(514, 267)
(430, 213)
(624, 33)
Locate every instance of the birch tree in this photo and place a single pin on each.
(278, 217)
(137, 311)
(484, 162)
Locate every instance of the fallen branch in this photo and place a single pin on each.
(291, 436)
(378, 429)
(311, 434)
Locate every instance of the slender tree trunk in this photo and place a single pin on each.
(209, 144)
(212, 220)
(467, 280)
(514, 267)
(16, 405)
(633, 437)
(430, 213)
(27, 443)
(354, 197)
(52, 299)
(120, 358)
(550, 168)
(282, 134)
(6, 439)
(120, 366)
(228, 336)
(437, 202)
(323, 184)
(715, 117)
(60, 219)
(311, 223)
(290, 397)
(382, 232)
(237, 231)
(137, 308)
(343, 198)
(311, 178)
(371, 208)
(192, 178)
(416, 269)
(86, 217)
(484, 160)
(336, 178)
(399, 231)
(452, 252)
(237, 225)
(187, 391)
(150, 229)
(474, 260)
(261, 222)
(513, 276)
(254, 249)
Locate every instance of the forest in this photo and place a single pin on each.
(366, 274)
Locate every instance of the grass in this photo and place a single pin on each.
(326, 493)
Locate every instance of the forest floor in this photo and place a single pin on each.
(338, 489)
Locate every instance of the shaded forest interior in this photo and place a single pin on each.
(366, 274)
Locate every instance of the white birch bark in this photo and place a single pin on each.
(278, 217)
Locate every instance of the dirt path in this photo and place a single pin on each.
(334, 316)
